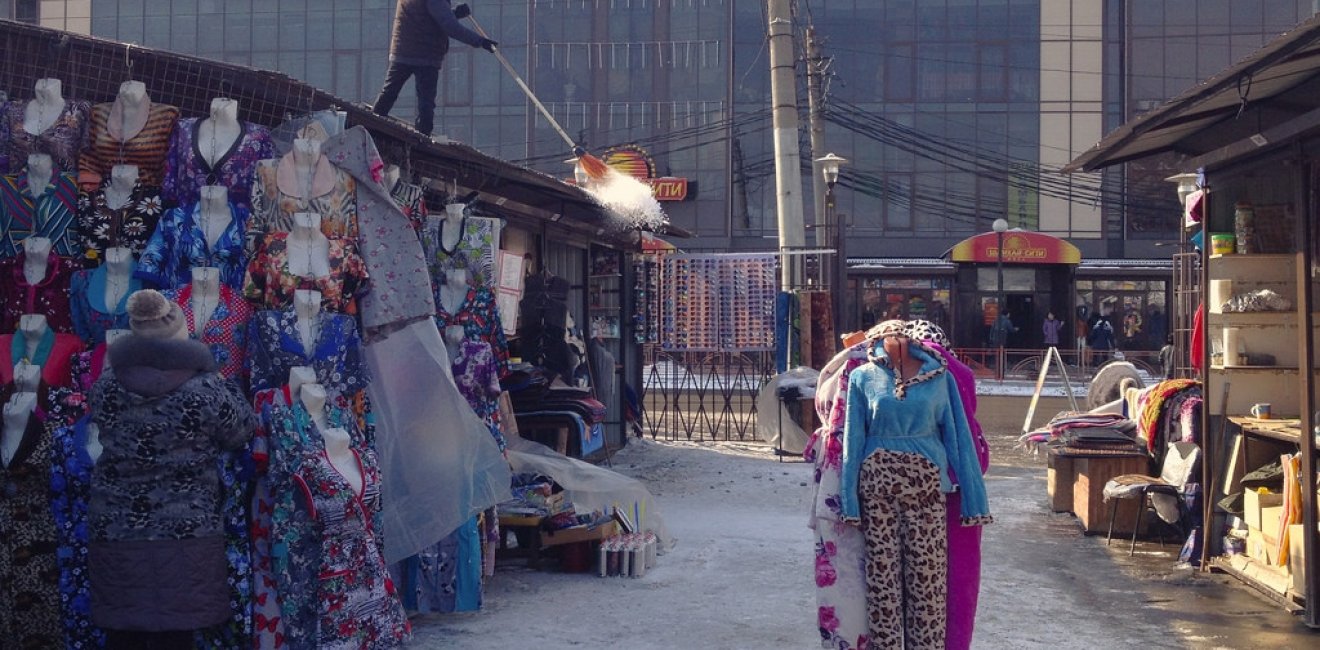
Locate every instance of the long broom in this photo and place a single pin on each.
(593, 166)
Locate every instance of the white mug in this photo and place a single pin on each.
(1261, 411)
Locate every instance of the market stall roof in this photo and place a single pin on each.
(1020, 247)
(923, 264)
(93, 68)
(1275, 84)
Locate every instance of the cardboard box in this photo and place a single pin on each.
(1261, 547)
(1270, 520)
(1297, 558)
(579, 534)
(1253, 502)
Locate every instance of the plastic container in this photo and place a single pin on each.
(1223, 243)
(575, 557)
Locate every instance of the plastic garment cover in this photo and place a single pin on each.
(589, 487)
(439, 463)
(774, 424)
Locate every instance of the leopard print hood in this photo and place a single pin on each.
(152, 367)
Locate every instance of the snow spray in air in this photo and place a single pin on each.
(628, 200)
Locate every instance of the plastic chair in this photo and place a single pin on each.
(1163, 494)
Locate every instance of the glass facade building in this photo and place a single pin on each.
(952, 112)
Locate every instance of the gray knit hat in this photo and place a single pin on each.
(151, 315)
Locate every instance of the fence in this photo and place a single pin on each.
(1009, 363)
(701, 396)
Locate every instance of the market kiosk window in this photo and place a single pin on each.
(905, 298)
(1136, 309)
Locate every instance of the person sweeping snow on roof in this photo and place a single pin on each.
(422, 29)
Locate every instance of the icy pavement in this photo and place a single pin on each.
(741, 574)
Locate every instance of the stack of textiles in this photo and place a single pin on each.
(1084, 430)
(1169, 412)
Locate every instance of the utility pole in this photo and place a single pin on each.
(788, 168)
(815, 114)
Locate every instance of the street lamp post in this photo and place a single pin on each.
(1000, 226)
(829, 166)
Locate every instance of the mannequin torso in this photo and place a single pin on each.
(27, 377)
(217, 133)
(454, 291)
(36, 259)
(123, 178)
(32, 327)
(309, 249)
(904, 364)
(17, 411)
(391, 176)
(128, 113)
(45, 108)
(338, 449)
(94, 447)
(451, 227)
(300, 376)
(214, 213)
(40, 171)
(306, 156)
(205, 296)
(307, 306)
(118, 274)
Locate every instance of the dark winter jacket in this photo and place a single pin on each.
(156, 557)
(422, 29)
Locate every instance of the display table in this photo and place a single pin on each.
(1081, 476)
(527, 529)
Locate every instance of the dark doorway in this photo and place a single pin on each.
(1022, 311)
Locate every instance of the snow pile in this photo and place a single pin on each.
(629, 200)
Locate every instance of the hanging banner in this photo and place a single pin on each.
(1020, 247)
(637, 162)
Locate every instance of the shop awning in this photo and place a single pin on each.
(1020, 247)
(1278, 83)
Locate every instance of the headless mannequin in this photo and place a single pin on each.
(205, 296)
(40, 171)
(454, 290)
(214, 213)
(309, 250)
(17, 411)
(217, 133)
(391, 176)
(451, 227)
(300, 376)
(128, 114)
(32, 327)
(338, 449)
(454, 335)
(36, 257)
(306, 154)
(45, 108)
(94, 447)
(307, 306)
(118, 273)
(27, 377)
(120, 189)
(900, 357)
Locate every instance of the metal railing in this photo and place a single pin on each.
(699, 396)
(1015, 363)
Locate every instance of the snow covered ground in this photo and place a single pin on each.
(741, 574)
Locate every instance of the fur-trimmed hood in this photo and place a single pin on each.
(152, 367)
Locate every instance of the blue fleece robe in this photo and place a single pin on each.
(929, 421)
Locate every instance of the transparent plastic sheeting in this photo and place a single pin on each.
(774, 424)
(439, 463)
(590, 487)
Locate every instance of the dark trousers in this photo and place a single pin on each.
(132, 640)
(425, 80)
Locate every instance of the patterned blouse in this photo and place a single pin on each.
(412, 200)
(477, 377)
(146, 150)
(475, 250)
(91, 315)
(273, 209)
(29, 575)
(71, 484)
(52, 215)
(274, 347)
(269, 284)
(63, 140)
(130, 226)
(186, 169)
(179, 244)
(50, 297)
(226, 333)
(480, 320)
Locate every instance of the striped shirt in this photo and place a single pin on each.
(52, 214)
(147, 149)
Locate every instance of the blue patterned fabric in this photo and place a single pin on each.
(179, 244)
(70, 485)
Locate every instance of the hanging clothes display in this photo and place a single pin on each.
(29, 576)
(187, 172)
(268, 283)
(71, 478)
(63, 139)
(54, 354)
(225, 333)
(480, 320)
(277, 194)
(336, 356)
(88, 309)
(402, 292)
(412, 200)
(179, 244)
(129, 226)
(50, 212)
(108, 145)
(49, 297)
(475, 250)
(476, 374)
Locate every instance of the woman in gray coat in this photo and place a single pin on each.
(156, 557)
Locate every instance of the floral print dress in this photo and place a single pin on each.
(187, 172)
(130, 225)
(70, 486)
(274, 348)
(225, 333)
(49, 297)
(92, 316)
(273, 207)
(477, 376)
(29, 576)
(270, 285)
(480, 320)
(63, 140)
(179, 244)
(478, 241)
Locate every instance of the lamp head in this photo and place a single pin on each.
(1000, 225)
(829, 167)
